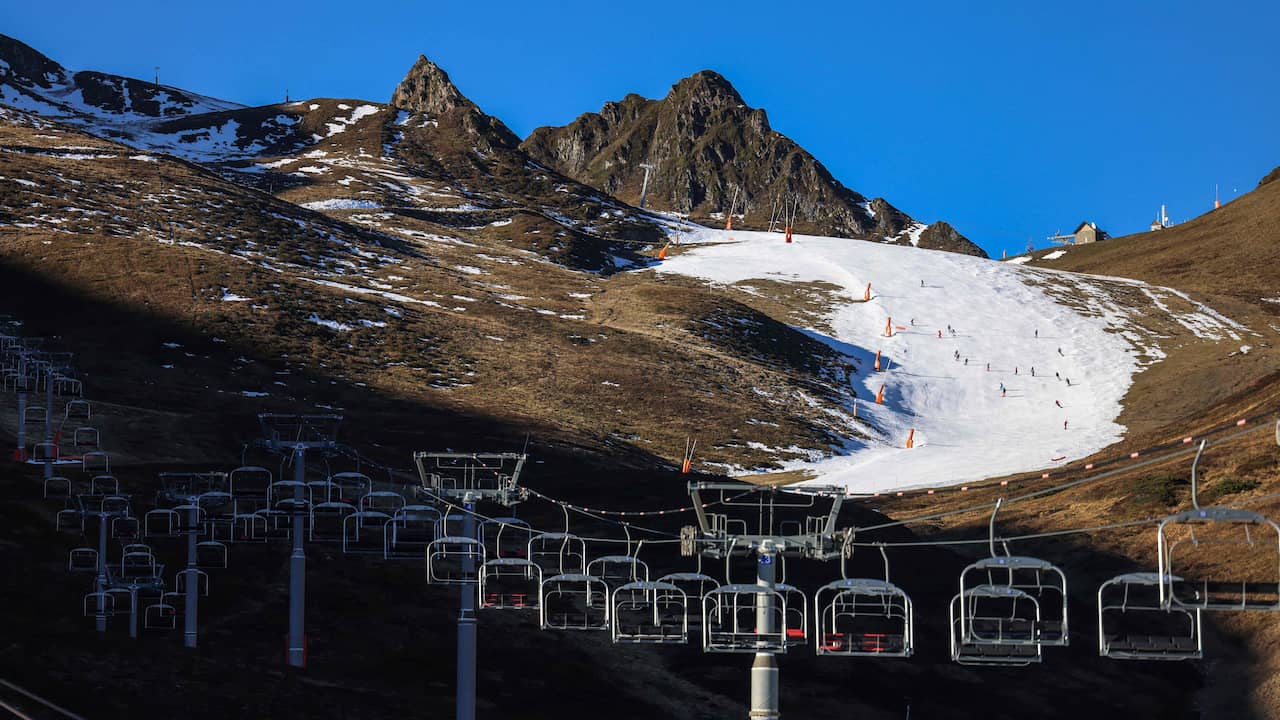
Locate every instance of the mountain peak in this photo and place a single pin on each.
(427, 88)
(27, 66)
(706, 87)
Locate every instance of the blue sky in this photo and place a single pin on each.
(1008, 119)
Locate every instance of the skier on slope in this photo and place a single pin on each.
(1064, 424)
(1058, 403)
(1033, 371)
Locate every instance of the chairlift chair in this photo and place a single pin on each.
(69, 520)
(99, 604)
(249, 481)
(731, 615)
(95, 461)
(695, 586)
(506, 537)
(508, 583)
(1001, 615)
(863, 617)
(44, 452)
(77, 410)
(125, 528)
(161, 522)
(211, 555)
(618, 570)
(104, 485)
(160, 616)
(185, 575)
(328, 520)
(57, 487)
(406, 535)
(86, 438)
(323, 491)
(1224, 558)
(351, 486)
(574, 601)
(454, 560)
(363, 532)
(83, 560)
(1134, 625)
(649, 613)
(382, 501)
(558, 553)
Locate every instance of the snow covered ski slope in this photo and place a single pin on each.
(967, 334)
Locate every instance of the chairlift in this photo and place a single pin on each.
(160, 616)
(864, 617)
(328, 520)
(1134, 625)
(363, 532)
(351, 485)
(183, 577)
(125, 528)
(249, 527)
(95, 461)
(323, 491)
(382, 501)
(1037, 578)
(731, 619)
(35, 414)
(508, 583)
(558, 553)
(86, 438)
(506, 537)
(77, 410)
(82, 560)
(993, 625)
(618, 570)
(57, 487)
(1224, 558)
(649, 613)
(695, 586)
(139, 566)
(277, 523)
(249, 481)
(69, 520)
(104, 485)
(161, 522)
(574, 601)
(44, 452)
(211, 555)
(454, 560)
(406, 535)
(99, 604)
(796, 615)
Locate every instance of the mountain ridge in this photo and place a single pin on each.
(713, 155)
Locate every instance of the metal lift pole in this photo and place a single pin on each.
(191, 612)
(21, 454)
(101, 580)
(48, 423)
(467, 624)
(298, 566)
(764, 671)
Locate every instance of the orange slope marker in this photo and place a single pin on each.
(888, 327)
(866, 296)
(880, 395)
(911, 438)
(877, 361)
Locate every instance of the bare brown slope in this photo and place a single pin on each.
(1231, 254)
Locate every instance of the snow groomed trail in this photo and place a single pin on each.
(970, 422)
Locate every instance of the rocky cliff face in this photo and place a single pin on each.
(428, 93)
(706, 145)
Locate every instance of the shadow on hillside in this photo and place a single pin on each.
(381, 642)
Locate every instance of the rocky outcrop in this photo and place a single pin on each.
(705, 146)
(427, 91)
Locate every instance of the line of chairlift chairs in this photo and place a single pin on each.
(1007, 610)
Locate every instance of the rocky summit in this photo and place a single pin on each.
(712, 155)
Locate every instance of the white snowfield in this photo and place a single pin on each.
(966, 427)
